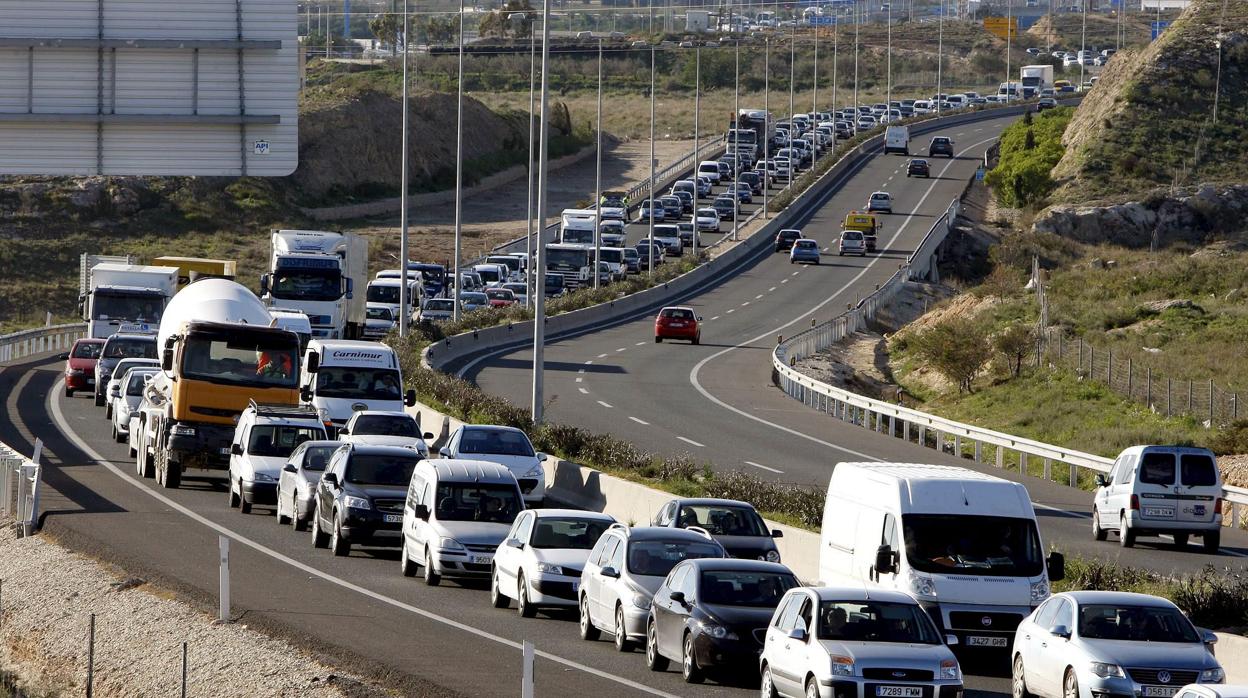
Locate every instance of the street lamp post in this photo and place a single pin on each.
(736, 121)
(857, 22)
(940, 45)
(792, 107)
(697, 138)
(459, 168)
(767, 125)
(404, 301)
(528, 219)
(598, 176)
(539, 312)
(650, 214)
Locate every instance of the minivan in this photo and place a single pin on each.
(1152, 490)
(456, 514)
(964, 543)
(710, 170)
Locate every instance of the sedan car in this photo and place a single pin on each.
(735, 525)
(540, 561)
(359, 499)
(711, 614)
(519, 290)
(677, 322)
(378, 321)
(743, 192)
(687, 235)
(707, 220)
(805, 251)
(672, 207)
(80, 365)
(297, 482)
(127, 400)
(725, 206)
(643, 211)
(829, 641)
(918, 168)
(385, 428)
(785, 239)
(473, 300)
(880, 201)
(500, 297)
(1046, 103)
(1083, 644)
(940, 145)
(505, 446)
(112, 389)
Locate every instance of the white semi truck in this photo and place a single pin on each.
(323, 274)
(113, 292)
(1036, 78)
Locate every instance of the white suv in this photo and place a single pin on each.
(1153, 490)
(265, 437)
(625, 568)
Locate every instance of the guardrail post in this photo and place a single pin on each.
(223, 574)
(1022, 463)
(1000, 457)
(526, 682)
(957, 446)
(905, 430)
(1235, 515)
(940, 441)
(1074, 475)
(922, 435)
(1048, 469)
(979, 452)
(892, 425)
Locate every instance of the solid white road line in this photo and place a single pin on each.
(600, 402)
(760, 465)
(63, 426)
(642, 422)
(691, 441)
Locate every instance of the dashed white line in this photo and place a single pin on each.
(583, 391)
(784, 281)
(621, 349)
(600, 402)
(890, 178)
(978, 130)
(642, 422)
(640, 344)
(825, 249)
(758, 296)
(602, 356)
(795, 273)
(764, 467)
(691, 441)
(589, 362)
(580, 370)
(732, 310)
(771, 289)
(715, 318)
(579, 379)
(745, 304)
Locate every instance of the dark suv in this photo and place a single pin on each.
(918, 168)
(786, 238)
(940, 145)
(359, 499)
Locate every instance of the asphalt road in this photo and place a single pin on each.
(716, 401)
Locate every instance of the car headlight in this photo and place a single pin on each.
(718, 632)
(1039, 591)
(1214, 675)
(1107, 671)
(535, 471)
(264, 477)
(842, 665)
(641, 601)
(452, 545)
(922, 585)
(949, 669)
(549, 568)
(357, 502)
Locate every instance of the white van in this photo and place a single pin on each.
(897, 140)
(387, 291)
(456, 514)
(492, 274)
(965, 544)
(710, 170)
(340, 377)
(1153, 490)
(295, 321)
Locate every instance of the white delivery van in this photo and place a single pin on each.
(293, 321)
(965, 544)
(897, 140)
(1153, 490)
(340, 377)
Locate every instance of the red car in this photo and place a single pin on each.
(80, 365)
(500, 297)
(678, 322)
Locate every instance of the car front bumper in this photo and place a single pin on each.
(260, 492)
(554, 590)
(856, 687)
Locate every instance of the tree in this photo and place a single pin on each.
(441, 30)
(1014, 344)
(387, 28)
(957, 348)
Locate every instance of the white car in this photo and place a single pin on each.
(710, 170)
(852, 242)
(113, 387)
(264, 438)
(880, 201)
(385, 428)
(1155, 490)
(540, 561)
(707, 220)
(437, 310)
(296, 486)
(506, 446)
(1083, 644)
(128, 398)
(379, 321)
(879, 642)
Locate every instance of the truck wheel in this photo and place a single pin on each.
(1211, 541)
(173, 474)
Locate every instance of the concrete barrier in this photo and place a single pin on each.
(1232, 653)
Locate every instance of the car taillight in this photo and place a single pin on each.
(1217, 505)
(1135, 502)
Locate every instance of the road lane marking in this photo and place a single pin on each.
(795, 273)
(745, 304)
(600, 402)
(579, 379)
(602, 356)
(580, 370)
(63, 426)
(764, 467)
(691, 441)
(715, 318)
(758, 296)
(640, 344)
(589, 362)
(621, 349)
(583, 391)
(784, 281)
(773, 288)
(642, 422)
(732, 310)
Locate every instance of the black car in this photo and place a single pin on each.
(644, 249)
(940, 145)
(786, 238)
(735, 525)
(753, 179)
(359, 500)
(725, 206)
(918, 168)
(712, 614)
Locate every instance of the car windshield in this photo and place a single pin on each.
(570, 258)
(142, 307)
(130, 349)
(560, 533)
(375, 469)
(875, 621)
(136, 381)
(473, 298)
(500, 442)
(467, 501)
(1135, 624)
(380, 314)
(500, 294)
(242, 357)
(307, 284)
(722, 520)
(655, 558)
(87, 350)
(851, 235)
(706, 212)
(880, 197)
(676, 313)
(385, 425)
(806, 244)
(279, 440)
(358, 383)
(742, 588)
(383, 294)
(316, 457)
(440, 304)
(978, 545)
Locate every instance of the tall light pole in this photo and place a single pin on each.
(404, 301)
(767, 126)
(1217, 84)
(697, 137)
(792, 107)
(539, 308)
(814, 95)
(940, 45)
(598, 176)
(888, 83)
(736, 119)
(836, 29)
(528, 220)
(1083, 45)
(857, 22)
(1009, 36)
(459, 168)
(650, 215)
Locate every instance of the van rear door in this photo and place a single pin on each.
(1157, 486)
(1198, 488)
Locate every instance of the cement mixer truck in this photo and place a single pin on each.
(219, 348)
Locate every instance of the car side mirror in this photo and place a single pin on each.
(290, 468)
(515, 543)
(610, 572)
(777, 533)
(166, 360)
(1061, 631)
(428, 436)
(331, 479)
(344, 431)
(305, 394)
(699, 318)
(1101, 480)
(264, 284)
(444, 452)
(798, 634)
(542, 456)
(884, 560)
(314, 363)
(236, 449)
(1056, 564)
(410, 398)
(63, 357)
(422, 512)
(678, 597)
(1208, 637)
(951, 639)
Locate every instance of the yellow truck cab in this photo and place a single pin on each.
(864, 222)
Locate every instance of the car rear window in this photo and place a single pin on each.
(1198, 470)
(677, 313)
(852, 235)
(88, 350)
(1157, 468)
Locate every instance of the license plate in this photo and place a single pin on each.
(977, 641)
(1158, 511)
(90, 381)
(224, 451)
(479, 559)
(393, 518)
(1160, 691)
(899, 692)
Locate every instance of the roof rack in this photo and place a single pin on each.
(621, 526)
(296, 411)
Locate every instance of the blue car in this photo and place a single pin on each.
(805, 251)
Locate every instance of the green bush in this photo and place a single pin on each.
(1231, 439)
(957, 348)
(1029, 151)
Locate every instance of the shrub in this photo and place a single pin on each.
(1014, 344)
(1231, 439)
(1029, 151)
(957, 348)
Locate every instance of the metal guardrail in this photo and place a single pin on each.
(946, 435)
(20, 478)
(40, 340)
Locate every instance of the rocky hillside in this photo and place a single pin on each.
(1149, 121)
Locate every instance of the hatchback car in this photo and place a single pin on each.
(725, 206)
(379, 320)
(112, 389)
(80, 365)
(473, 300)
(707, 220)
(852, 242)
(940, 145)
(754, 180)
(786, 238)
(643, 211)
(625, 568)
(712, 614)
(735, 525)
(672, 207)
(880, 201)
(296, 486)
(540, 561)
(804, 251)
(677, 322)
(918, 168)
(1084, 644)
(831, 642)
(127, 400)
(742, 191)
(500, 297)
(359, 499)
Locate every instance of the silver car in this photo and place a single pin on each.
(1104, 644)
(297, 483)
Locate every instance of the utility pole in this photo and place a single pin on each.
(539, 312)
(697, 138)
(836, 27)
(598, 176)
(528, 220)
(1009, 35)
(940, 45)
(650, 215)
(404, 301)
(767, 125)
(459, 168)
(736, 121)
(857, 22)
(814, 95)
(792, 107)
(888, 83)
